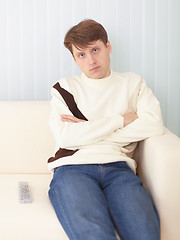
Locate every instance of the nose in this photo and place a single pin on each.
(91, 59)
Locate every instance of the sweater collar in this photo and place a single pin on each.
(97, 82)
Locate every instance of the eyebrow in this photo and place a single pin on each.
(79, 53)
(83, 49)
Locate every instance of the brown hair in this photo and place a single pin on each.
(82, 34)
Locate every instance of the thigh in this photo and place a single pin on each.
(80, 204)
(131, 208)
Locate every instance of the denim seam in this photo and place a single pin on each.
(101, 173)
(130, 206)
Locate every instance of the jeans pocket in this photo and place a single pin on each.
(121, 164)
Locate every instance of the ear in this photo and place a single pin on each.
(109, 46)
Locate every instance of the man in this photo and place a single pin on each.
(97, 119)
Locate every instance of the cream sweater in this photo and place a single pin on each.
(103, 102)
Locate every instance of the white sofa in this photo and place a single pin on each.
(25, 145)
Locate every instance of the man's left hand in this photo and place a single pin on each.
(72, 119)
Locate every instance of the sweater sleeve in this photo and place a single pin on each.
(149, 122)
(74, 135)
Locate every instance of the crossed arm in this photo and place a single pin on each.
(144, 122)
(128, 118)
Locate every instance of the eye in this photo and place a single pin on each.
(81, 55)
(95, 50)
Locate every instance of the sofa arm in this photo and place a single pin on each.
(159, 167)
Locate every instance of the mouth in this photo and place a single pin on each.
(94, 68)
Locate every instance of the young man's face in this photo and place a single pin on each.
(94, 61)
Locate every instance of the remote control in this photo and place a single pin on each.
(24, 193)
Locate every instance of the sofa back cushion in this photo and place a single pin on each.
(26, 141)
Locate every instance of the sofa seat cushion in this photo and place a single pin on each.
(36, 220)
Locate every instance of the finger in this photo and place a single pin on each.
(69, 119)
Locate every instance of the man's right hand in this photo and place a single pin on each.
(129, 118)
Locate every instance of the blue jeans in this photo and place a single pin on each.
(92, 201)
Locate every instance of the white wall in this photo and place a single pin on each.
(145, 36)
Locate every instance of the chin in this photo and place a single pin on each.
(96, 75)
